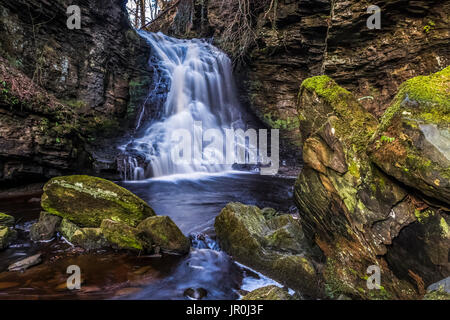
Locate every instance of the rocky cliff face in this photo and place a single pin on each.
(377, 193)
(92, 79)
(296, 39)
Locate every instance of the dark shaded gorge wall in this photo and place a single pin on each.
(97, 78)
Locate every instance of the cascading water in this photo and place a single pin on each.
(201, 90)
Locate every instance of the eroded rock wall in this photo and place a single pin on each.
(99, 74)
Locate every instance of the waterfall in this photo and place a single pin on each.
(200, 90)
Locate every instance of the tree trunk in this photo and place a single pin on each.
(142, 13)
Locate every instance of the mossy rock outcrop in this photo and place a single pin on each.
(274, 246)
(6, 220)
(7, 235)
(349, 207)
(45, 228)
(122, 236)
(412, 143)
(67, 229)
(164, 233)
(86, 201)
(89, 238)
(268, 293)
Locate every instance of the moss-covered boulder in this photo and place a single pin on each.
(86, 201)
(7, 235)
(412, 143)
(89, 238)
(67, 229)
(122, 236)
(6, 220)
(163, 232)
(268, 293)
(275, 246)
(45, 228)
(349, 207)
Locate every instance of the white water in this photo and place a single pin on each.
(201, 89)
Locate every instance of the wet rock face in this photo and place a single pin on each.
(343, 199)
(274, 245)
(412, 143)
(95, 74)
(359, 213)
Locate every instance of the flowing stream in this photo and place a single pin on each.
(200, 89)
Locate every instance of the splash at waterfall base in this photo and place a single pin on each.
(212, 150)
(226, 147)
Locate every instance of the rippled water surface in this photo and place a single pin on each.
(192, 202)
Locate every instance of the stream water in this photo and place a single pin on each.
(200, 88)
(192, 202)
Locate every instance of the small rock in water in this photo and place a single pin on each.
(24, 264)
(196, 294)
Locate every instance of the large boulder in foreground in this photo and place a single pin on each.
(349, 207)
(45, 228)
(87, 201)
(272, 244)
(412, 143)
(271, 292)
(94, 213)
(164, 233)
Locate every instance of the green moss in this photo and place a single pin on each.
(444, 228)
(422, 216)
(163, 232)
(67, 229)
(440, 294)
(75, 104)
(354, 125)
(289, 123)
(122, 236)
(353, 168)
(429, 26)
(6, 220)
(431, 92)
(87, 200)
